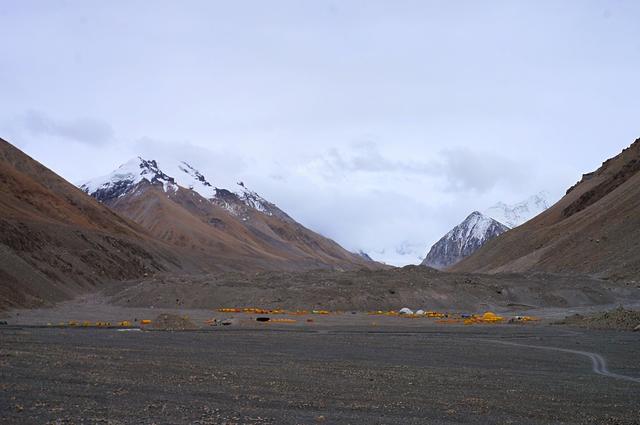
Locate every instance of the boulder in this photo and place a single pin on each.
(173, 322)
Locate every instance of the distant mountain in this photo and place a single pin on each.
(365, 255)
(594, 229)
(402, 254)
(463, 240)
(235, 229)
(460, 242)
(516, 214)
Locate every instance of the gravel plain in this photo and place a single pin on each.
(333, 372)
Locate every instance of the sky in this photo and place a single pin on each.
(380, 124)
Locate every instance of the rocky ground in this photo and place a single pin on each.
(330, 375)
(186, 362)
(618, 318)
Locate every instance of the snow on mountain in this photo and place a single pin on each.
(252, 199)
(516, 214)
(129, 173)
(479, 228)
(127, 176)
(463, 240)
(192, 179)
(171, 175)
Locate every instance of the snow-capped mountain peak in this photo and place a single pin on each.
(474, 227)
(129, 174)
(171, 175)
(516, 214)
(463, 240)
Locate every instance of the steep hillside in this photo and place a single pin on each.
(463, 240)
(56, 242)
(594, 229)
(236, 230)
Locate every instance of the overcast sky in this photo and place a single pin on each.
(380, 124)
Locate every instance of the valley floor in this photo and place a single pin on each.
(335, 370)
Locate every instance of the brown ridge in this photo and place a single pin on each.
(593, 229)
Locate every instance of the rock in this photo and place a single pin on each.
(618, 318)
(172, 322)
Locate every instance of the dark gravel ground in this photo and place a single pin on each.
(618, 318)
(436, 375)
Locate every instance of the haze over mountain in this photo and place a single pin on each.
(594, 229)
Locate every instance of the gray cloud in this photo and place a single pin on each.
(466, 170)
(364, 157)
(461, 169)
(84, 130)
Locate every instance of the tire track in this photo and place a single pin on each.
(599, 364)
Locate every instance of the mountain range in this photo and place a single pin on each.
(56, 241)
(235, 229)
(148, 220)
(479, 228)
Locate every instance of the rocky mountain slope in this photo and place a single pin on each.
(236, 229)
(56, 242)
(463, 240)
(594, 229)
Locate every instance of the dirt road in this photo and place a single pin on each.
(598, 362)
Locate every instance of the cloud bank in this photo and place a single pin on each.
(90, 131)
